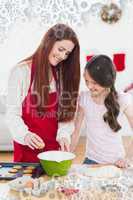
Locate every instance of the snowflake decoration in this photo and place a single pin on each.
(49, 12)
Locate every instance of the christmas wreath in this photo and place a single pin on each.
(111, 13)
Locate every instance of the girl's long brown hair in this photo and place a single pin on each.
(68, 72)
(102, 70)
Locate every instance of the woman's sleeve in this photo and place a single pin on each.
(14, 120)
(82, 99)
(65, 130)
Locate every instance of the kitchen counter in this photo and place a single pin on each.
(5, 193)
(125, 183)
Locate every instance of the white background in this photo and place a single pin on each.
(95, 37)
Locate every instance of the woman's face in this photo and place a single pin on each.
(60, 51)
(93, 86)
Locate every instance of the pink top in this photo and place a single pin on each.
(103, 145)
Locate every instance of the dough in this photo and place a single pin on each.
(103, 172)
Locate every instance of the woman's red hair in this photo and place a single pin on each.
(68, 72)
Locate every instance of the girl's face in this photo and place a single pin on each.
(60, 51)
(95, 89)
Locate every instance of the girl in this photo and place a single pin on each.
(129, 87)
(41, 99)
(103, 109)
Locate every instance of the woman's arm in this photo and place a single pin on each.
(67, 129)
(14, 120)
(15, 123)
(64, 132)
(76, 133)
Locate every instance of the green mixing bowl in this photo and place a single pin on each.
(56, 163)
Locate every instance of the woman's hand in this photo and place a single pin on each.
(121, 163)
(64, 144)
(33, 141)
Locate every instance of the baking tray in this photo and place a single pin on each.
(6, 168)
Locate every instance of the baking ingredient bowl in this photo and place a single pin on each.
(56, 163)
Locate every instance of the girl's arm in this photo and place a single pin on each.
(129, 114)
(126, 104)
(128, 88)
(77, 124)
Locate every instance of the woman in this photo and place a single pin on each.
(103, 108)
(41, 101)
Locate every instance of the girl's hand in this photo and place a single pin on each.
(121, 163)
(130, 87)
(64, 144)
(33, 141)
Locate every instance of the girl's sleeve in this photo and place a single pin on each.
(14, 120)
(125, 100)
